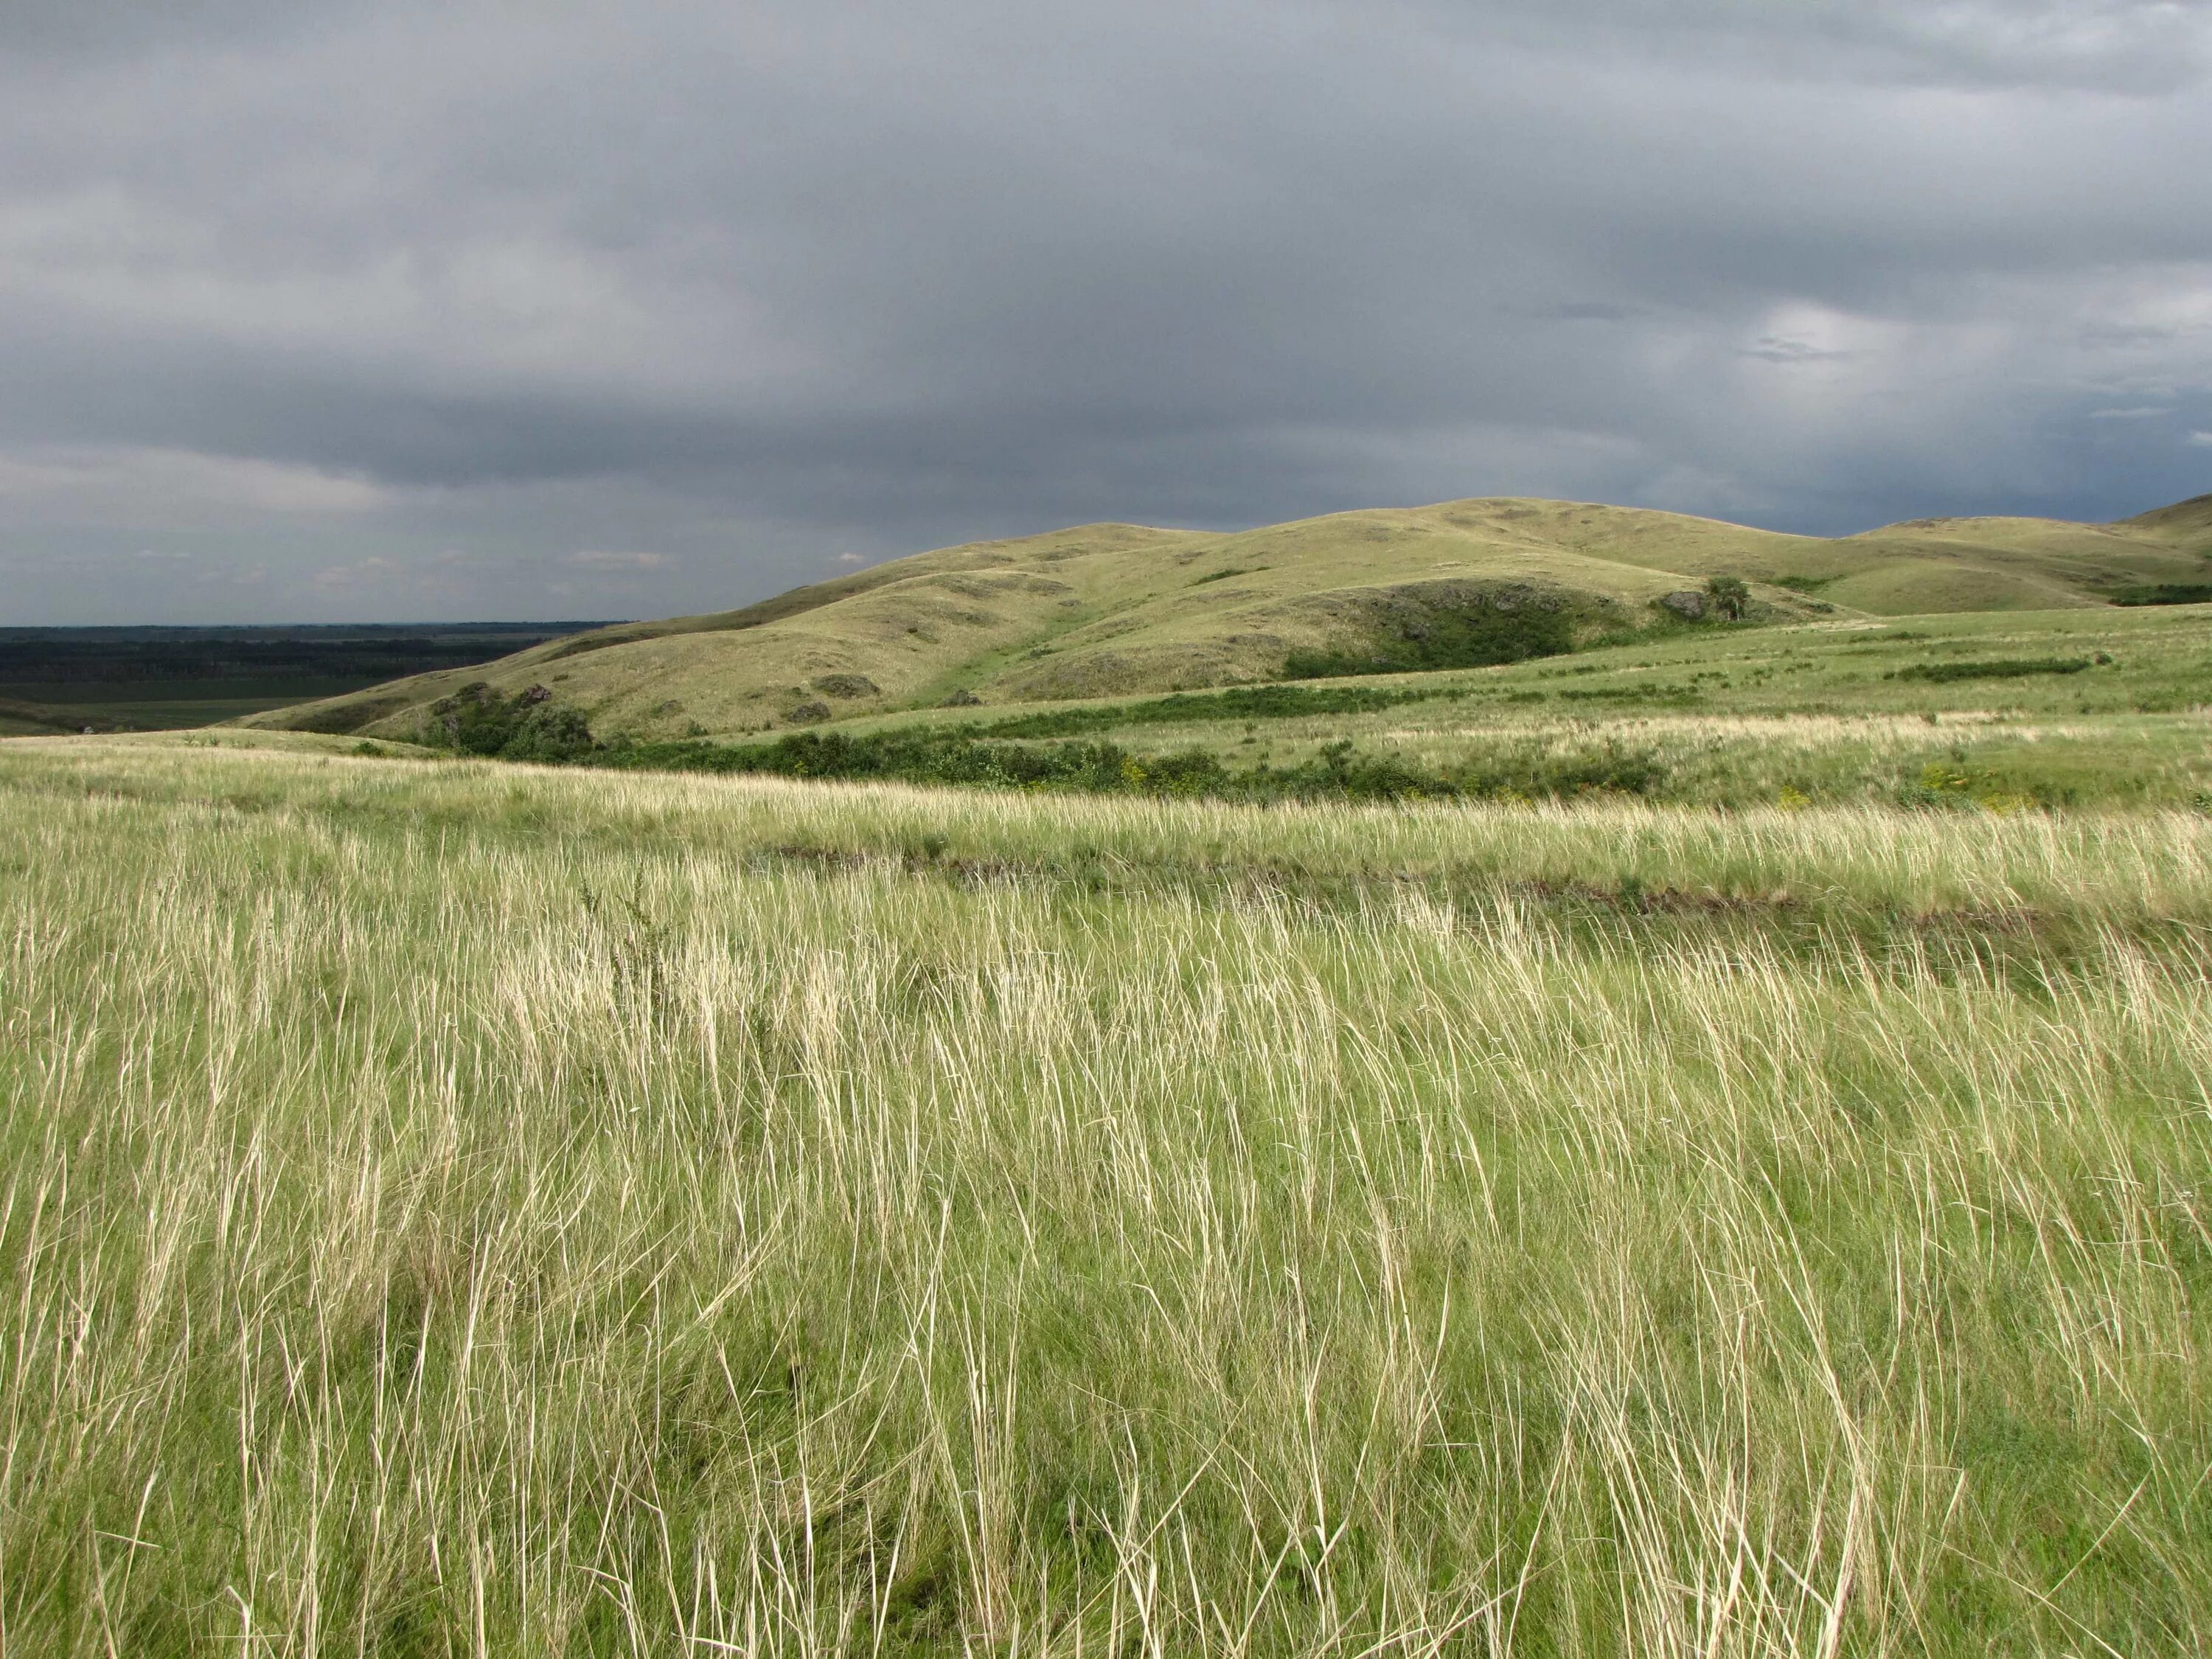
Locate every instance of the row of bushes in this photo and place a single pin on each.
(2003, 668)
(1106, 768)
(1338, 772)
(529, 726)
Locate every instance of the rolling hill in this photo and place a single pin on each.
(1103, 609)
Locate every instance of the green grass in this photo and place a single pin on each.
(1950, 712)
(1743, 716)
(454, 1207)
(1255, 702)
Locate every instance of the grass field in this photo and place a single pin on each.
(2076, 708)
(1827, 712)
(451, 1207)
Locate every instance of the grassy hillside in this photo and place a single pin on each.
(448, 1207)
(2096, 705)
(1111, 609)
(2186, 524)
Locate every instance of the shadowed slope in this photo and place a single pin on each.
(2188, 523)
(19, 718)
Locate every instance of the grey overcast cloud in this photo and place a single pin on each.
(327, 311)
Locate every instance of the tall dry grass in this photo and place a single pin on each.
(449, 1210)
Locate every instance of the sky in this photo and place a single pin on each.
(332, 310)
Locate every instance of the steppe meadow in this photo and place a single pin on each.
(452, 1207)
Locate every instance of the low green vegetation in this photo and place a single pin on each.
(1476, 634)
(1246, 702)
(2059, 709)
(2163, 593)
(2003, 668)
(1098, 768)
(1729, 597)
(452, 1208)
(525, 726)
(1336, 771)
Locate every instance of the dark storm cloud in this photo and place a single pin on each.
(493, 308)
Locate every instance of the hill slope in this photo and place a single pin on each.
(25, 717)
(1101, 610)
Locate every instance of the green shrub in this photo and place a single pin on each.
(2164, 593)
(1475, 635)
(2004, 668)
(1728, 594)
(526, 726)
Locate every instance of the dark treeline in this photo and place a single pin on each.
(367, 653)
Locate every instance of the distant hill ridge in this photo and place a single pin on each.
(1108, 609)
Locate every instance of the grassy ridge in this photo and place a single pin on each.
(459, 1208)
(1119, 610)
